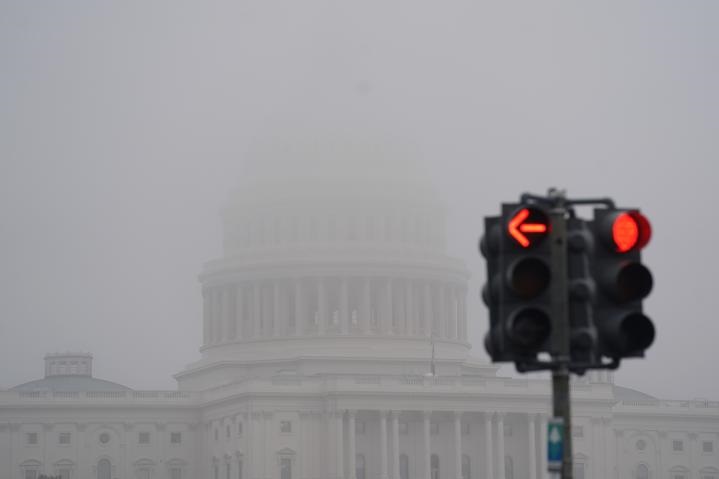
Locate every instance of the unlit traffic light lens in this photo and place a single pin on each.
(630, 335)
(638, 331)
(529, 277)
(634, 282)
(529, 328)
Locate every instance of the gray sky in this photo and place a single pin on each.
(124, 126)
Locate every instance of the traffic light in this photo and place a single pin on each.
(518, 282)
(622, 282)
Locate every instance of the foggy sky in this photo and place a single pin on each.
(124, 127)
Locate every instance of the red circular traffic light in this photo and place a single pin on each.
(630, 230)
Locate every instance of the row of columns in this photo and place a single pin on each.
(494, 446)
(254, 310)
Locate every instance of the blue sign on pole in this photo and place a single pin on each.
(555, 444)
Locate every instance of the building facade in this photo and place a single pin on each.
(335, 346)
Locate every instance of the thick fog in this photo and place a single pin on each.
(125, 126)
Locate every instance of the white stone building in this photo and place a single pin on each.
(321, 320)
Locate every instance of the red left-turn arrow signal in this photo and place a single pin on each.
(519, 230)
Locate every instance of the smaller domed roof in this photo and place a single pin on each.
(69, 372)
(628, 394)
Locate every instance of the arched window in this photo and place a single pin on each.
(579, 469)
(64, 469)
(681, 472)
(508, 467)
(466, 467)
(403, 466)
(285, 468)
(642, 471)
(177, 468)
(104, 469)
(434, 466)
(579, 466)
(709, 472)
(30, 469)
(360, 466)
(240, 466)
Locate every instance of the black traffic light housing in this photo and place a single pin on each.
(622, 283)
(518, 279)
(566, 286)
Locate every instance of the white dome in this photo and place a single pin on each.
(325, 250)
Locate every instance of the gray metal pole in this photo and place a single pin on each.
(560, 324)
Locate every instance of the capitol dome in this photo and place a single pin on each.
(325, 247)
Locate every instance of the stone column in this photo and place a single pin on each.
(594, 458)
(228, 322)
(488, 445)
(351, 452)
(462, 317)
(443, 317)
(217, 315)
(366, 306)
(401, 308)
(426, 445)
(410, 310)
(662, 447)
(240, 324)
(257, 310)
(500, 446)
(389, 314)
(383, 444)
(339, 425)
(344, 306)
(331, 450)
(427, 310)
(454, 321)
(458, 443)
(619, 458)
(461, 324)
(395, 444)
(206, 318)
(267, 443)
(611, 459)
(254, 468)
(276, 308)
(692, 449)
(299, 308)
(302, 443)
(322, 306)
(531, 447)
